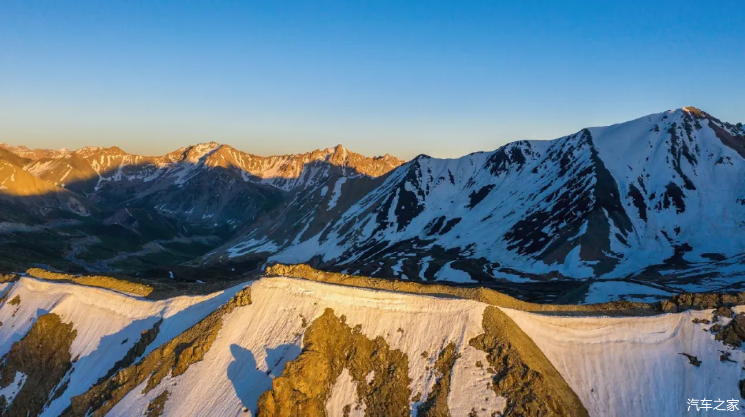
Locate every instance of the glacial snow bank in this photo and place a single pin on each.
(256, 342)
(108, 324)
(634, 366)
(459, 355)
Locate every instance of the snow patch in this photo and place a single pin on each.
(344, 393)
(337, 192)
(448, 273)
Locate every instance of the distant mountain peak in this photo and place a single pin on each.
(694, 111)
(606, 201)
(642, 195)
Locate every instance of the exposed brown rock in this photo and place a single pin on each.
(667, 306)
(100, 281)
(730, 300)
(436, 404)
(692, 359)
(8, 278)
(115, 284)
(331, 346)
(733, 333)
(700, 301)
(173, 357)
(15, 301)
(722, 312)
(524, 376)
(725, 357)
(157, 405)
(43, 355)
(49, 275)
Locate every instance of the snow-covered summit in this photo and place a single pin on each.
(631, 199)
(657, 199)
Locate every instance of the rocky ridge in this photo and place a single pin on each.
(327, 349)
(638, 211)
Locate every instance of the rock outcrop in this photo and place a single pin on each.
(523, 374)
(41, 359)
(331, 346)
(733, 334)
(172, 358)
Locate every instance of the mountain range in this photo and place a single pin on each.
(300, 342)
(637, 210)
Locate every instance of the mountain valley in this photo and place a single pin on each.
(566, 277)
(639, 210)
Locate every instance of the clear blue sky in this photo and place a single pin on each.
(405, 77)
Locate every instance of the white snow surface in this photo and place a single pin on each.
(108, 324)
(617, 366)
(344, 392)
(337, 192)
(633, 366)
(257, 340)
(640, 155)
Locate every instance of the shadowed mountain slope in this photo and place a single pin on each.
(645, 208)
(664, 190)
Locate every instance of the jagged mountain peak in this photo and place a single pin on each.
(93, 151)
(337, 153)
(193, 153)
(339, 149)
(605, 201)
(30, 153)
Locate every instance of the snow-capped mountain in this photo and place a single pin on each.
(22, 195)
(662, 190)
(207, 183)
(112, 164)
(102, 209)
(658, 200)
(282, 346)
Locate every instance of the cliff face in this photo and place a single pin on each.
(285, 346)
